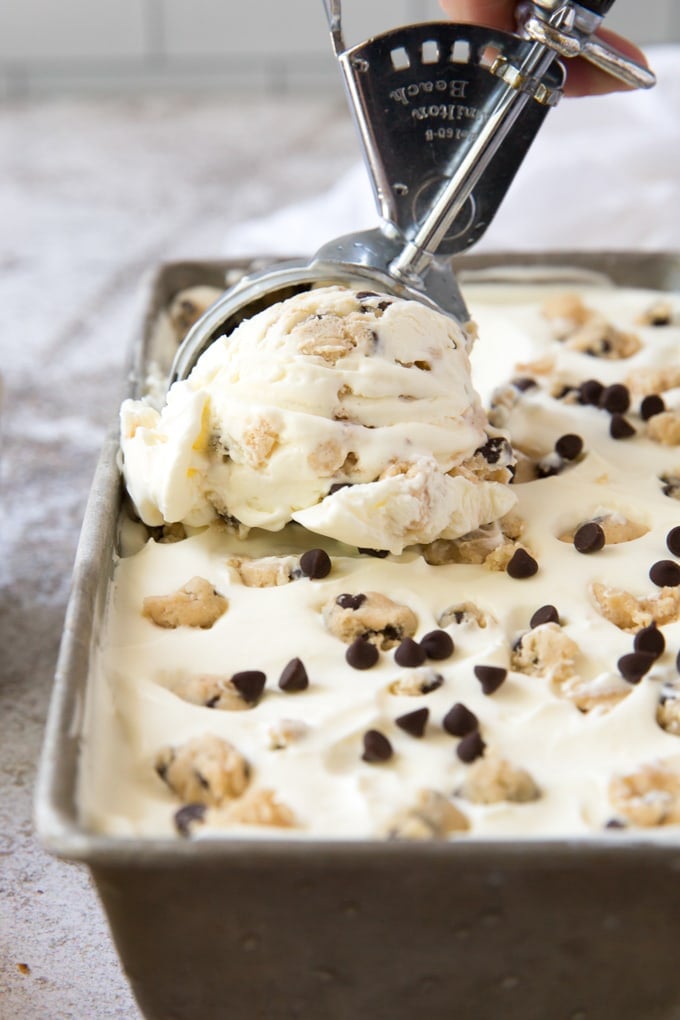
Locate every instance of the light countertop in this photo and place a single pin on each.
(94, 195)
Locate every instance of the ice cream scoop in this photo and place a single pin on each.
(445, 113)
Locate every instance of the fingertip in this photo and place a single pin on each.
(585, 79)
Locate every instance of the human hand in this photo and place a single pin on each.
(583, 78)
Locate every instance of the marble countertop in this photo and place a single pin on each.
(95, 195)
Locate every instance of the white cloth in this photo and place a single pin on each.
(603, 173)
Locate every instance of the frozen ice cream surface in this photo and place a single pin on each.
(351, 413)
(520, 680)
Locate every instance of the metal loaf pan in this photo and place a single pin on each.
(509, 930)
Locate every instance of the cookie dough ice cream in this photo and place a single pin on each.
(517, 679)
(353, 414)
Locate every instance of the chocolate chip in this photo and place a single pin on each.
(379, 554)
(490, 677)
(524, 383)
(409, 653)
(315, 563)
(650, 640)
(620, 427)
(569, 446)
(673, 541)
(294, 677)
(384, 305)
(634, 665)
(250, 684)
(665, 574)
(346, 601)
(651, 405)
(361, 294)
(376, 747)
(362, 654)
(590, 392)
(460, 721)
(522, 565)
(187, 816)
(336, 486)
(615, 823)
(546, 614)
(495, 448)
(589, 538)
(471, 747)
(414, 723)
(615, 398)
(438, 645)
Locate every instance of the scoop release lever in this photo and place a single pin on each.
(446, 113)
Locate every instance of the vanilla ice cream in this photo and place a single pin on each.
(353, 414)
(517, 678)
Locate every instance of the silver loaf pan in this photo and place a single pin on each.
(512, 930)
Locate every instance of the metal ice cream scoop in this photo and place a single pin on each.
(445, 113)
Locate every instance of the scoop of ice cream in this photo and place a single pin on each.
(352, 413)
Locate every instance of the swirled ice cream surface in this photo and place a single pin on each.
(314, 631)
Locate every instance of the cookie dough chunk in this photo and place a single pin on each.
(670, 485)
(503, 401)
(501, 555)
(664, 428)
(546, 651)
(373, 616)
(205, 770)
(493, 462)
(660, 313)
(617, 528)
(492, 545)
(286, 732)
(474, 547)
(566, 313)
(195, 604)
(491, 780)
(629, 613)
(597, 695)
(646, 381)
(465, 613)
(211, 691)
(600, 339)
(416, 682)
(649, 796)
(668, 709)
(332, 336)
(259, 807)
(432, 816)
(266, 572)
(259, 439)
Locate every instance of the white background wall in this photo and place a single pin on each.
(70, 46)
